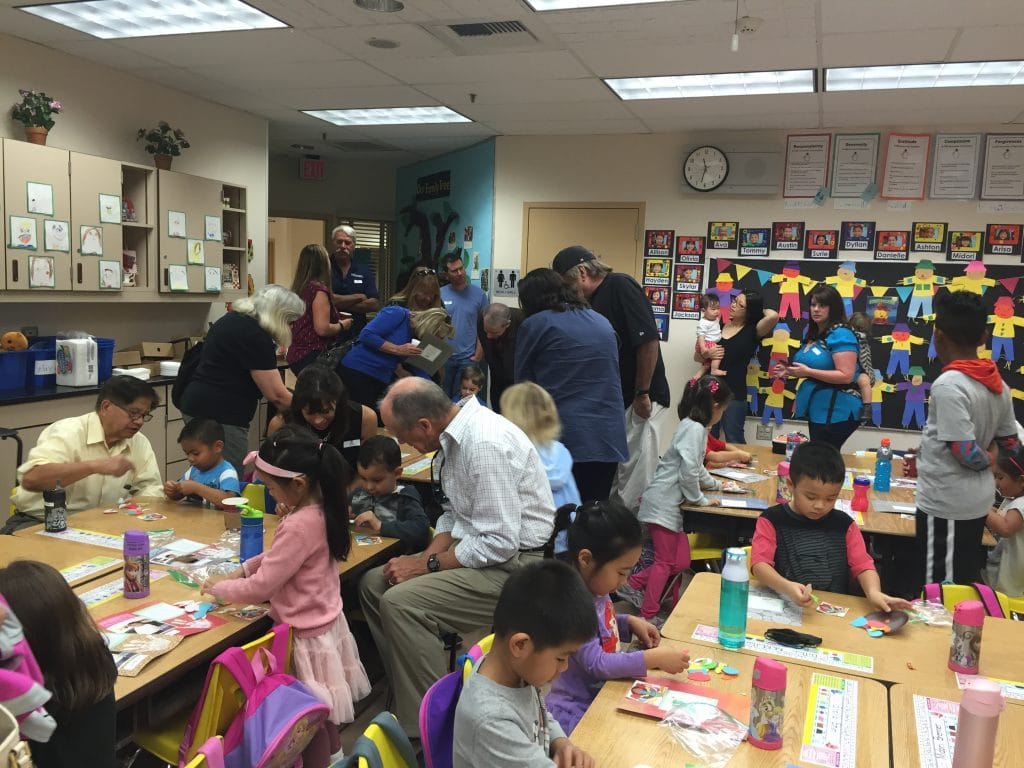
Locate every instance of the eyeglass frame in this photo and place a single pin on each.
(145, 418)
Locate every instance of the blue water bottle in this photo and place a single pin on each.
(732, 605)
(252, 533)
(883, 467)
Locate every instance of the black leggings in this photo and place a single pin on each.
(834, 434)
(594, 479)
(361, 387)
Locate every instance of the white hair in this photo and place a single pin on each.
(346, 229)
(275, 309)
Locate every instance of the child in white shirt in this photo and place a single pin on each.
(709, 332)
(1005, 573)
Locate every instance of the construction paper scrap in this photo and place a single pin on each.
(184, 546)
(832, 610)
(203, 609)
(730, 671)
(875, 633)
(859, 622)
(160, 611)
(365, 541)
(151, 516)
(700, 677)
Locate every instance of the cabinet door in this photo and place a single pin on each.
(184, 203)
(96, 244)
(41, 173)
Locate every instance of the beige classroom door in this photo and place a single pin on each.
(291, 235)
(613, 231)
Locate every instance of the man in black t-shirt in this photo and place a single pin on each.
(645, 391)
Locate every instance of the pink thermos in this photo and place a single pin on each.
(965, 647)
(767, 703)
(979, 720)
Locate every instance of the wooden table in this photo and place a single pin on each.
(917, 654)
(622, 739)
(59, 554)
(905, 752)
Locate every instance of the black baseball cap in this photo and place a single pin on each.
(567, 258)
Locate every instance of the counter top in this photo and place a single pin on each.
(41, 394)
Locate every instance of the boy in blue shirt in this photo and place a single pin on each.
(210, 479)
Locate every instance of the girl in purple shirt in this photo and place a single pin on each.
(604, 540)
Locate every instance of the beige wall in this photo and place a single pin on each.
(648, 168)
(103, 109)
(290, 236)
(359, 189)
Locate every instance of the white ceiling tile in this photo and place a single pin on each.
(725, 107)
(413, 41)
(839, 17)
(751, 121)
(181, 79)
(112, 55)
(540, 127)
(956, 101)
(278, 74)
(990, 43)
(349, 98)
(553, 111)
(904, 46)
(236, 49)
(469, 69)
(938, 117)
(519, 92)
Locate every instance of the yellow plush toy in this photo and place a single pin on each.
(13, 341)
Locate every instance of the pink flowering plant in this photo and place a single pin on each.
(36, 109)
(163, 140)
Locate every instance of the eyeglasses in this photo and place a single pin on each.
(134, 415)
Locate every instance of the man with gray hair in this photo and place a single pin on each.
(497, 330)
(498, 515)
(353, 288)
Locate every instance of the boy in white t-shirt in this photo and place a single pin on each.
(1005, 571)
(709, 332)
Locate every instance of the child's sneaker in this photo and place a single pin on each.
(631, 595)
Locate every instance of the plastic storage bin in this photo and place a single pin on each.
(104, 358)
(42, 363)
(13, 369)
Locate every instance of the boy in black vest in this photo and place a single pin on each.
(808, 544)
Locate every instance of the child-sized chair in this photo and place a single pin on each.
(211, 754)
(995, 603)
(382, 745)
(705, 548)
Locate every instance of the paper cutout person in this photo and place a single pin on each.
(790, 283)
(780, 343)
(973, 279)
(917, 391)
(754, 378)
(725, 292)
(924, 281)
(775, 398)
(1003, 329)
(847, 283)
(878, 390)
(902, 340)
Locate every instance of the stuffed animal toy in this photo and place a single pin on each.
(13, 341)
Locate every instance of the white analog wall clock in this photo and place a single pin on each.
(705, 168)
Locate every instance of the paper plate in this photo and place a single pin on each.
(895, 620)
(235, 501)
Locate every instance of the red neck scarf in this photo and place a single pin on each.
(984, 371)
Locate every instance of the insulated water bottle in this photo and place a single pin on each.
(136, 564)
(252, 534)
(732, 606)
(767, 703)
(55, 513)
(977, 725)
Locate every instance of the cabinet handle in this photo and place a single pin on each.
(79, 273)
(14, 270)
(167, 277)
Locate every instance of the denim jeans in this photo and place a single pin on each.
(733, 421)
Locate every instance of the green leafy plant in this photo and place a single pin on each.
(36, 109)
(163, 140)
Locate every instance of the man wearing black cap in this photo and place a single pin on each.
(645, 391)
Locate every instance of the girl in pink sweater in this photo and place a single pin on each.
(299, 574)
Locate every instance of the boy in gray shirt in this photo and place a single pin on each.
(970, 408)
(544, 613)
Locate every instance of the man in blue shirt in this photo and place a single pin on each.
(353, 289)
(464, 302)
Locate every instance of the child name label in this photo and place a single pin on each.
(1011, 688)
(936, 730)
(830, 724)
(83, 536)
(87, 568)
(826, 657)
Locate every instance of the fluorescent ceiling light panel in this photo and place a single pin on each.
(396, 116)
(571, 5)
(702, 86)
(110, 19)
(959, 74)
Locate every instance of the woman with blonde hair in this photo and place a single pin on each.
(321, 324)
(383, 346)
(421, 291)
(238, 366)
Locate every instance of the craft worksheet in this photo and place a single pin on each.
(936, 730)
(81, 570)
(82, 536)
(830, 725)
(827, 657)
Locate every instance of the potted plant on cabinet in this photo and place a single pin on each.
(164, 143)
(36, 113)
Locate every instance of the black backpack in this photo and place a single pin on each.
(187, 369)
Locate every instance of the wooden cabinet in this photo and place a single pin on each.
(37, 190)
(138, 227)
(184, 202)
(236, 240)
(96, 223)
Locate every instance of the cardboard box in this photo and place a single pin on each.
(155, 350)
(127, 358)
(181, 346)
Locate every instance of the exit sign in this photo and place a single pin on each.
(312, 168)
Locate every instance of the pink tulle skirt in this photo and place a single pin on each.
(329, 666)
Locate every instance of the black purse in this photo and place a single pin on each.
(330, 357)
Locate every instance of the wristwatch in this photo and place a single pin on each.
(640, 393)
(433, 564)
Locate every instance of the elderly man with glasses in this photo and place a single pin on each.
(96, 457)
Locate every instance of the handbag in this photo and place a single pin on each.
(330, 357)
(14, 753)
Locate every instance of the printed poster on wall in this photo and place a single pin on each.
(754, 242)
(821, 243)
(906, 166)
(658, 242)
(688, 277)
(928, 237)
(657, 285)
(1003, 240)
(787, 235)
(1003, 177)
(807, 159)
(854, 164)
(965, 245)
(658, 271)
(955, 164)
(892, 245)
(686, 305)
(690, 249)
(857, 235)
(722, 235)
(659, 298)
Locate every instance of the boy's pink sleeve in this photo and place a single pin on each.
(857, 556)
(763, 546)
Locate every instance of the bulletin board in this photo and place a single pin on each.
(898, 297)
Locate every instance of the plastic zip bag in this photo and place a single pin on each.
(708, 733)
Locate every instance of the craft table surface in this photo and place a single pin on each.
(59, 554)
(1009, 737)
(917, 654)
(881, 523)
(623, 739)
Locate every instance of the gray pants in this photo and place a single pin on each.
(407, 622)
(236, 443)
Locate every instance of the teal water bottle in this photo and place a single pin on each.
(732, 605)
(883, 466)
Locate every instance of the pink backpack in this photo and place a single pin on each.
(280, 716)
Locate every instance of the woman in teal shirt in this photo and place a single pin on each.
(827, 365)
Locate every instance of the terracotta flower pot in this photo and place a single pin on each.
(163, 162)
(35, 134)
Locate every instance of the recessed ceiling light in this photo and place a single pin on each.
(570, 5)
(383, 6)
(111, 19)
(957, 74)
(395, 116)
(725, 84)
(382, 43)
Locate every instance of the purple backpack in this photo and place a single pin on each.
(280, 715)
(437, 712)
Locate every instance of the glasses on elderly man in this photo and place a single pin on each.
(133, 414)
